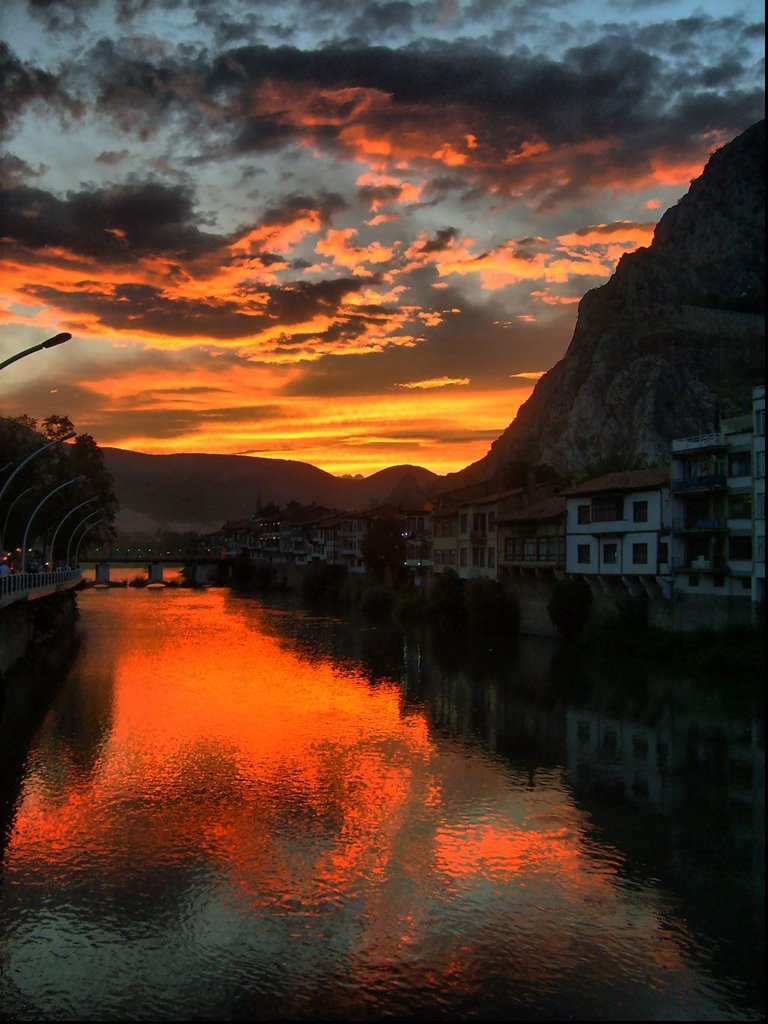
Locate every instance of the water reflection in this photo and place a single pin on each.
(236, 811)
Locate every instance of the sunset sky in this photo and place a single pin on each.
(347, 233)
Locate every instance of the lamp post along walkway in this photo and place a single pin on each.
(57, 339)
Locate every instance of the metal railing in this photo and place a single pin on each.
(19, 586)
(706, 481)
(685, 444)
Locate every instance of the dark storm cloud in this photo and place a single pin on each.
(138, 307)
(164, 424)
(296, 205)
(466, 344)
(373, 18)
(442, 240)
(609, 86)
(263, 133)
(22, 84)
(108, 224)
(371, 195)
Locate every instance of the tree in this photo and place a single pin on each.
(55, 466)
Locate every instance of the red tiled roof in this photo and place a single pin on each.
(543, 511)
(626, 480)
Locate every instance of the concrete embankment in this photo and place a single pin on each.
(28, 626)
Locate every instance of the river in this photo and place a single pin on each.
(235, 809)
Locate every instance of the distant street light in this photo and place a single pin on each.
(90, 527)
(57, 339)
(82, 522)
(63, 519)
(50, 494)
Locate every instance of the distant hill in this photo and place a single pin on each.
(674, 340)
(200, 492)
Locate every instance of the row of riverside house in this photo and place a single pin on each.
(690, 536)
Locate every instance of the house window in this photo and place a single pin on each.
(478, 522)
(610, 742)
(640, 748)
(760, 423)
(760, 465)
(639, 511)
(663, 552)
(740, 506)
(610, 554)
(530, 550)
(583, 554)
(640, 554)
(491, 520)
(740, 549)
(739, 464)
(760, 505)
(463, 523)
(607, 509)
(582, 515)
(463, 557)
(491, 558)
(760, 553)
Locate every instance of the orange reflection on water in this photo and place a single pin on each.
(296, 788)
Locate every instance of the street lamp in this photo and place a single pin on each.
(37, 451)
(63, 518)
(57, 339)
(90, 527)
(82, 522)
(50, 494)
(10, 509)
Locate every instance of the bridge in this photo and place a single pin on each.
(29, 586)
(155, 564)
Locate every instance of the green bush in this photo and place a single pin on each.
(490, 609)
(376, 602)
(322, 583)
(446, 595)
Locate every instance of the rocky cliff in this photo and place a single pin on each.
(673, 340)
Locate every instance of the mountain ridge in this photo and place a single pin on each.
(191, 491)
(673, 340)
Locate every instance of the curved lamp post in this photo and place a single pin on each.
(37, 451)
(10, 509)
(82, 522)
(63, 519)
(50, 494)
(77, 549)
(57, 339)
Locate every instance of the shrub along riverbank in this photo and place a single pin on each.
(483, 611)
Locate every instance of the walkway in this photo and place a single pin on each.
(28, 586)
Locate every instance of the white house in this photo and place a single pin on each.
(618, 531)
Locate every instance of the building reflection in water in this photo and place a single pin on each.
(232, 808)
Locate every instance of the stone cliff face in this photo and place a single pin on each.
(675, 337)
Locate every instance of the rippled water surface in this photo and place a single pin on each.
(234, 811)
